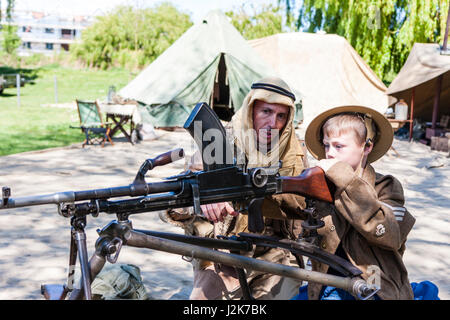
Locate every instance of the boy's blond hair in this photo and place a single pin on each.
(346, 122)
(380, 139)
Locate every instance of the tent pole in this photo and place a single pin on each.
(411, 118)
(437, 99)
(444, 46)
(437, 95)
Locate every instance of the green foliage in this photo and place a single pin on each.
(265, 21)
(381, 31)
(130, 37)
(9, 9)
(10, 39)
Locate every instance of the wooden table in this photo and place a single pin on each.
(120, 115)
(397, 124)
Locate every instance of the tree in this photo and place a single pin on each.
(381, 31)
(265, 21)
(130, 37)
(11, 40)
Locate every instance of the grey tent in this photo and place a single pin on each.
(327, 69)
(211, 62)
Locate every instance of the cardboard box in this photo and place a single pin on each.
(442, 144)
(434, 132)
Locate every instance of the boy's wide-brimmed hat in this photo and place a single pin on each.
(382, 141)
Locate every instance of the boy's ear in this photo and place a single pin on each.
(368, 147)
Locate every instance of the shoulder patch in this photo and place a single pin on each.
(380, 230)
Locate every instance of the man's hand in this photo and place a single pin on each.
(215, 212)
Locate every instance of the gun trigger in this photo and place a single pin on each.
(255, 217)
(196, 199)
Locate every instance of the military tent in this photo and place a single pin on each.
(211, 62)
(327, 69)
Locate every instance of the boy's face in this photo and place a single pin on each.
(267, 117)
(345, 147)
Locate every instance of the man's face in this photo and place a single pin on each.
(345, 147)
(268, 117)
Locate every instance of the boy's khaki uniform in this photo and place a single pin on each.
(371, 224)
(368, 220)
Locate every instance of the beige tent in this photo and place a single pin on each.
(420, 74)
(325, 67)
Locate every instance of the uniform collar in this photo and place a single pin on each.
(369, 175)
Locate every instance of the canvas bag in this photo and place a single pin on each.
(119, 281)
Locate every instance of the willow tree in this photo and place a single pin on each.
(382, 31)
(264, 21)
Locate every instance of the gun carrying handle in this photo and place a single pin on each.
(167, 157)
(161, 160)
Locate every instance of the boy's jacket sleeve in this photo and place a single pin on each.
(376, 212)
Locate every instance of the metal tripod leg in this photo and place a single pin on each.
(80, 238)
(72, 260)
(59, 292)
(78, 234)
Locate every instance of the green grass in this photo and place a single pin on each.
(34, 126)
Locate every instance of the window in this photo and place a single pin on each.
(49, 30)
(49, 46)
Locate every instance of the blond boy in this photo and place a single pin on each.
(368, 223)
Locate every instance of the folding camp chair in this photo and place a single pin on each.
(91, 123)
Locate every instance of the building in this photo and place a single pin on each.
(47, 33)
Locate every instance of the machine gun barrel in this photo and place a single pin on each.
(228, 184)
(72, 196)
(138, 188)
(186, 190)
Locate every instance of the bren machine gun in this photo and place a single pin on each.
(218, 182)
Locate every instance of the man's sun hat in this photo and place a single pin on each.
(382, 139)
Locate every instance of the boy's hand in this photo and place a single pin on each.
(217, 211)
(326, 164)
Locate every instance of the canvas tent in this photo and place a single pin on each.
(211, 62)
(419, 74)
(327, 69)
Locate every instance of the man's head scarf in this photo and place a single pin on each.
(288, 149)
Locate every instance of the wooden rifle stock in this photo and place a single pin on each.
(310, 183)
